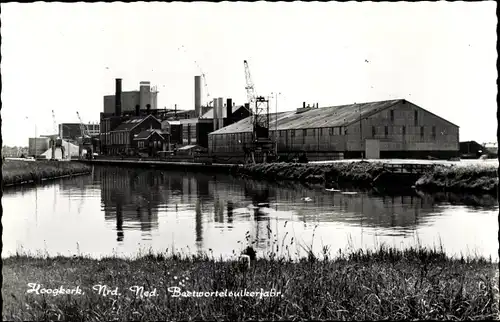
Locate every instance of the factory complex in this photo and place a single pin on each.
(219, 130)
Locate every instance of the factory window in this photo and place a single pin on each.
(304, 132)
(386, 131)
(313, 132)
(336, 131)
(416, 118)
(331, 131)
(392, 115)
(373, 131)
(321, 132)
(345, 131)
(292, 133)
(404, 130)
(433, 132)
(421, 132)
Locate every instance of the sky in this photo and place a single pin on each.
(65, 57)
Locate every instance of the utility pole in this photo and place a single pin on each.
(276, 124)
(361, 134)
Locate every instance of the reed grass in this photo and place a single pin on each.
(16, 172)
(385, 283)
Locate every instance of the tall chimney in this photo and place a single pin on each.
(197, 96)
(137, 110)
(229, 110)
(118, 97)
(303, 104)
(220, 113)
(215, 111)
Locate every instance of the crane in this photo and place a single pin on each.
(209, 101)
(86, 142)
(250, 86)
(83, 128)
(54, 122)
(261, 143)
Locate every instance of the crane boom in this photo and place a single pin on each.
(54, 122)
(251, 95)
(83, 128)
(202, 75)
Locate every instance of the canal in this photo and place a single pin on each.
(128, 212)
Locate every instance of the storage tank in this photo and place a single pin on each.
(144, 94)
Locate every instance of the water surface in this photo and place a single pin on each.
(120, 211)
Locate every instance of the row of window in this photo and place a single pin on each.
(336, 131)
(153, 144)
(403, 131)
(120, 138)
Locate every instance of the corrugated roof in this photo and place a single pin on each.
(146, 134)
(331, 116)
(131, 123)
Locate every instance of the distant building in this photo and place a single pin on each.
(72, 131)
(146, 95)
(385, 129)
(37, 146)
(471, 150)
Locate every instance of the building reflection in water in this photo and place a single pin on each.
(131, 197)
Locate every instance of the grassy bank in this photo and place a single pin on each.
(386, 284)
(472, 178)
(16, 172)
(363, 173)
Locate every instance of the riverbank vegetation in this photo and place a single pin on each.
(387, 283)
(17, 172)
(471, 178)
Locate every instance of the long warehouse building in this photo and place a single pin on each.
(385, 129)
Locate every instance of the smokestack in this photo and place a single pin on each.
(197, 96)
(148, 108)
(215, 111)
(304, 105)
(118, 97)
(137, 110)
(229, 110)
(221, 112)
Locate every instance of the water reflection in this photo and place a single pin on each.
(162, 209)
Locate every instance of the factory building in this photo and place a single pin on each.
(37, 146)
(72, 131)
(146, 95)
(121, 140)
(177, 127)
(385, 129)
(195, 130)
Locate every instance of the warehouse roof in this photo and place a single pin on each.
(331, 116)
